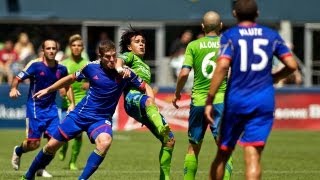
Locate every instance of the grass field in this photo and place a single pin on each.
(292, 155)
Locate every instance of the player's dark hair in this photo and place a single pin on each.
(105, 46)
(246, 10)
(126, 36)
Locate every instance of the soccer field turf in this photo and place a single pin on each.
(292, 155)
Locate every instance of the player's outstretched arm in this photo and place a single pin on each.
(64, 82)
(14, 92)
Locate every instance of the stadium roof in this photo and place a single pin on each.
(176, 11)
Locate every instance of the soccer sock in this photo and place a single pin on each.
(76, 149)
(63, 151)
(154, 116)
(93, 162)
(19, 150)
(228, 169)
(165, 162)
(41, 160)
(190, 166)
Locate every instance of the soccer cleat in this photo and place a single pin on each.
(164, 132)
(15, 160)
(73, 166)
(43, 173)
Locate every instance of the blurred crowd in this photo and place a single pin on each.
(14, 56)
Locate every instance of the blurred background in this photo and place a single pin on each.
(24, 24)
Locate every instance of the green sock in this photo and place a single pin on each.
(165, 162)
(228, 169)
(154, 116)
(63, 151)
(76, 149)
(190, 166)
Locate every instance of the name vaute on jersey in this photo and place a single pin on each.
(251, 32)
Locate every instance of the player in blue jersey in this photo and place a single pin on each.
(93, 114)
(248, 49)
(42, 114)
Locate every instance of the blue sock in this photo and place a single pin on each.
(39, 162)
(19, 150)
(93, 162)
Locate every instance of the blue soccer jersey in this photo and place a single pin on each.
(94, 112)
(249, 100)
(106, 87)
(251, 49)
(41, 76)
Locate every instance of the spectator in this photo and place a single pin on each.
(8, 58)
(177, 49)
(24, 48)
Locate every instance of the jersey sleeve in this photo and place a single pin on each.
(127, 58)
(28, 71)
(225, 47)
(281, 50)
(81, 73)
(136, 81)
(188, 57)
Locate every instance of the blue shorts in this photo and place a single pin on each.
(135, 107)
(36, 127)
(250, 129)
(72, 126)
(198, 124)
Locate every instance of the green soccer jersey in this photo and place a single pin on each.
(78, 91)
(201, 55)
(137, 65)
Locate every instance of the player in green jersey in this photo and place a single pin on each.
(140, 106)
(201, 56)
(73, 64)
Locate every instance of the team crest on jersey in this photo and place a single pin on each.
(58, 74)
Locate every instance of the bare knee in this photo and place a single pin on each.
(150, 101)
(170, 143)
(31, 145)
(103, 142)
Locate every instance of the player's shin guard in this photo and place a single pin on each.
(155, 117)
(190, 167)
(165, 162)
(93, 162)
(40, 161)
(77, 143)
(228, 169)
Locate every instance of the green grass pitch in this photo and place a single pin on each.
(289, 155)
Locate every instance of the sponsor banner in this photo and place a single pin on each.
(294, 110)
(297, 110)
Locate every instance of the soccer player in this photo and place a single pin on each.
(201, 55)
(248, 49)
(74, 63)
(42, 114)
(140, 106)
(93, 114)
